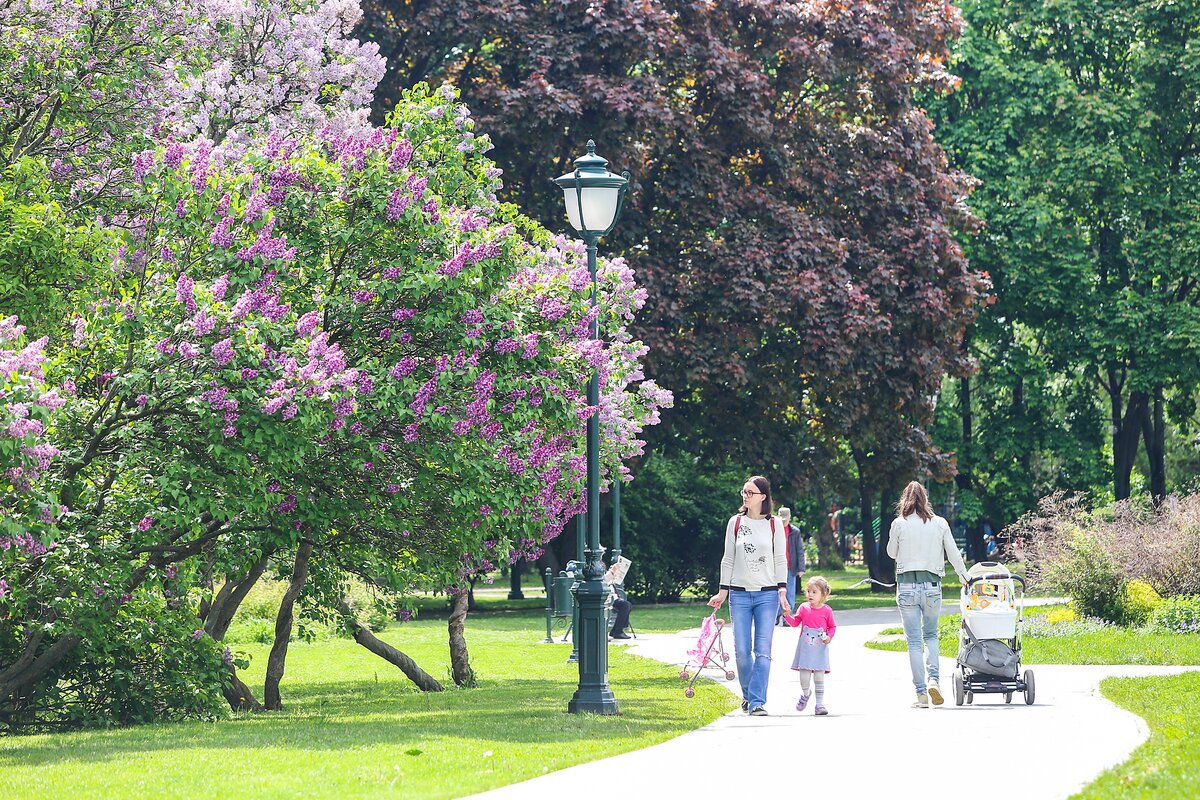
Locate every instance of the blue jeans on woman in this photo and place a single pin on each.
(753, 617)
(920, 608)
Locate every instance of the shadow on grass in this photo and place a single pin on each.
(352, 715)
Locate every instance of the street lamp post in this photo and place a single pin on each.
(593, 198)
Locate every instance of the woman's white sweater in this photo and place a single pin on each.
(920, 545)
(754, 557)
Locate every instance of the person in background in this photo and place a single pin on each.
(921, 543)
(795, 558)
(620, 604)
(754, 580)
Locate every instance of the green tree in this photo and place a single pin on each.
(1078, 119)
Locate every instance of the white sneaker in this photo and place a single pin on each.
(935, 694)
(922, 700)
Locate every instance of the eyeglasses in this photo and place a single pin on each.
(749, 494)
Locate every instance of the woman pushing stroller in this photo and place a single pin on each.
(921, 543)
(754, 580)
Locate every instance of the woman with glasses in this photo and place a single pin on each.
(754, 580)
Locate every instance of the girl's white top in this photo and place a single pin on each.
(754, 558)
(920, 545)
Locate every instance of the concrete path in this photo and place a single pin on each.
(872, 739)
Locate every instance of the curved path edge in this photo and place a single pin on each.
(872, 741)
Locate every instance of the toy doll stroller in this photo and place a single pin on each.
(989, 654)
(709, 653)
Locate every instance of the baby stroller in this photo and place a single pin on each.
(709, 653)
(989, 654)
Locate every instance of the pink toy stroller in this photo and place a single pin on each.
(709, 653)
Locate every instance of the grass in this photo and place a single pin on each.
(1105, 646)
(1168, 764)
(353, 726)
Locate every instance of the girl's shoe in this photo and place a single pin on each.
(821, 711)
(802, 702)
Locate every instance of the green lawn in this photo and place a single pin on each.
(1104, 646)
(355, 727)
(1168, 764)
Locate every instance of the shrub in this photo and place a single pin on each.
(1140, 602)
(1179, 614)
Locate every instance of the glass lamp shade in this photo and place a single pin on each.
(599, 207)
(592, 194)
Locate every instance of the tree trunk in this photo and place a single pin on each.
(514, 586)
(864, 504)
(887, 566)
(1154, 436)
(229, 599)
(460, 660)
(31, 667)
(363, 635)
(1127, 429)
(283, 627)
(827, 546)
(240, 696)
(965, 479)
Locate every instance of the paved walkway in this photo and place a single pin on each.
(872, 737)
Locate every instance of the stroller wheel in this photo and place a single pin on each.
(684, 675)
(1008, 697)
(729, 675)
(689, 692)
(970, 698)
(957, 681)
(725, 657)
(1028, 687)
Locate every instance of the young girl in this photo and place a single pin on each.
(815, 620)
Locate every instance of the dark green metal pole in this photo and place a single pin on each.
(549, 607)
(594, 693)
(580, 528)
(616, 503)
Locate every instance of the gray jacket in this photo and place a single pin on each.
(795, 550)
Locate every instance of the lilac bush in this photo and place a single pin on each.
(337, 337)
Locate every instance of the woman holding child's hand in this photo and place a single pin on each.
(754, 580)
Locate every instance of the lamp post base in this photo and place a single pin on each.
(593, 695)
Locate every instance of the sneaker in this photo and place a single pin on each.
(758, 712)
(821, 711)
(802, 702)
(935, 694)
(621, 635)
(745, 706)
(922, 700)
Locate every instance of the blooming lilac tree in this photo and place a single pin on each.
(336, 349)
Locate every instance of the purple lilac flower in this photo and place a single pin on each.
(146, 524)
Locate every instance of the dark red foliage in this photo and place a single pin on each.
(789, 213)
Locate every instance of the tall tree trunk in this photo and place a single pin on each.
(363, 635)
(827, 545)
(514, 586)
(1127, 429)
(1154, 436)
(224, 606)
(887, 566)
(460, 659)
(32, 666)
(965, 479)
(283, 627)
(864, 504)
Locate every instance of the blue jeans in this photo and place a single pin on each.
(753, 617)
(920, 607)
(792, 580)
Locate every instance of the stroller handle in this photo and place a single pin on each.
(995, 576)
